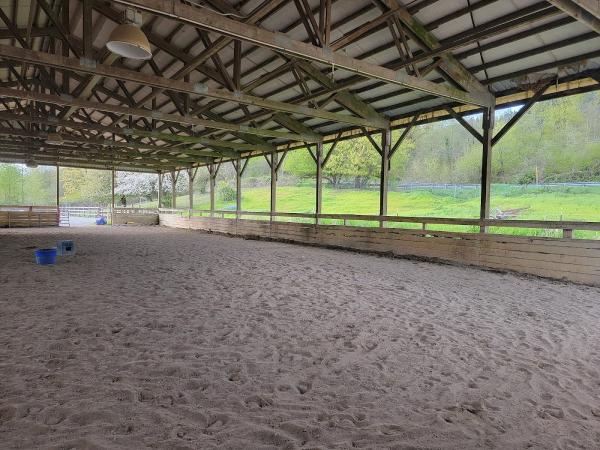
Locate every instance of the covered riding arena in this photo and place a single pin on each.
(175, 327)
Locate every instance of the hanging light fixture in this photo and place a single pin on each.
(54, 138)
(128, 40)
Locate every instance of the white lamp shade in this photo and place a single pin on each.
(129, 41)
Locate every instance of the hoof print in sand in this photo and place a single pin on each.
(549, 411)
(258, 401)
(303, 387)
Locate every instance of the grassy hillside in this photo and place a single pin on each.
(528, 202)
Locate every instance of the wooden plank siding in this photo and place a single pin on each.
(564, 259)
(135, 219)
(28, 216)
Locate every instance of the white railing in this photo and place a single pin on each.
(85, 211)
(96, 211)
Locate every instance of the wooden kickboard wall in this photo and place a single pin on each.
(564, 259)
(22, 219)
(135, 219)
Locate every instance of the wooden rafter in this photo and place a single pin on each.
(586, 11)
(56, 61)
(223, 25)
(150, 114)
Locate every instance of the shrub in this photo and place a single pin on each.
(226, 192)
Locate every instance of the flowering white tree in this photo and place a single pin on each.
(136, 184)
(182, 182)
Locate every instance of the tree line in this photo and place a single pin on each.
(555, 141)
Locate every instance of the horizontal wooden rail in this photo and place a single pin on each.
(566, 226)
(27, 208)
(13, 216)
(545, 254)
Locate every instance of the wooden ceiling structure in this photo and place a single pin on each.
(231, 79)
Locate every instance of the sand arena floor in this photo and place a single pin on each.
(158, 338)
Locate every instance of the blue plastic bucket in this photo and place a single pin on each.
(45, 256)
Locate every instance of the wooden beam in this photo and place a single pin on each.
(112, 197)
(591, 6)
(222, 147)
(197, 62)
(486, 164)
(66, 162)
(174, 189)
(404, 135)
(238, 185)
(66, 100)
(27, 152)
(526, 107)
(466, 125)
(351, 101)
(449, 64)
(85, 89)
(273, 183)
(88, 36)
(194, 156)
(146, 79)
(213, 21)
(292, 124)
(58, 187)
(386, 138)
(319, 179)
(160, 180)
(191, 176)
(212, 175)
(585, 11)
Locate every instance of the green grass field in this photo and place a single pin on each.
(532, 202)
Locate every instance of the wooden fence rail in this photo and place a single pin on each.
(567, 227)
(556, 257)
(16, 216)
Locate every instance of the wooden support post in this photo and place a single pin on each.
(160, 180)
(88, 30)
(191, 176)
(238, 187)
(173, 190)
(112, 206)
(273, 183)
(486, 165)
(386, 138)
(57, 187)
(319, 181)
(211, 186)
